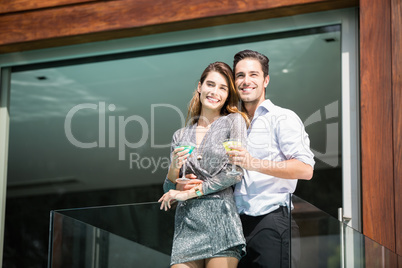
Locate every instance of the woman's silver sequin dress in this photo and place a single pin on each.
(210, 224)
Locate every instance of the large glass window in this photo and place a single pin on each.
(96, 131)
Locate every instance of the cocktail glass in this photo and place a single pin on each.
(236, 143)
(185, 146)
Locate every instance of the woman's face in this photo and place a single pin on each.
(213, 92)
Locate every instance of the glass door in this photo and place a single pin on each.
(93, 127)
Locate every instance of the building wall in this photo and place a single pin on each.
(26, 25)
(41, 24)
(380, 95)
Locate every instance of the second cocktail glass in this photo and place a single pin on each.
(236, 143)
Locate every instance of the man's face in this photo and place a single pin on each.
(250, 81)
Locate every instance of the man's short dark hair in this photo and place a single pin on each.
(250, 54)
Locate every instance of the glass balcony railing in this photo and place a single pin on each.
(136, 235)
(140, 235)
(327, 242)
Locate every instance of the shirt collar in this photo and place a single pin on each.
(265, 107)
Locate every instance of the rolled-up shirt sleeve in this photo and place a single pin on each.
(168, 184)
(293, 140)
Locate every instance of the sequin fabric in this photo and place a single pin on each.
(210, 224)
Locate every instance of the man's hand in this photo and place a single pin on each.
(187, 185)
(241, 157)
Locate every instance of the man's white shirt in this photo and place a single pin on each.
(275, 134)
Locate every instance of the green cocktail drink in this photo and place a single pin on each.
(185, 146)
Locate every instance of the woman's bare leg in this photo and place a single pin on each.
(191, 264)
(221, 262)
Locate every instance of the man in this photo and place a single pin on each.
(277, 155)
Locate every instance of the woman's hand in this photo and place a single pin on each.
(172, 196)
(178, 157)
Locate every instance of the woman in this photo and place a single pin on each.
(208, 230)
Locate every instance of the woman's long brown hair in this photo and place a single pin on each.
(232, 102)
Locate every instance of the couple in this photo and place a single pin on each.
(208, 229)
